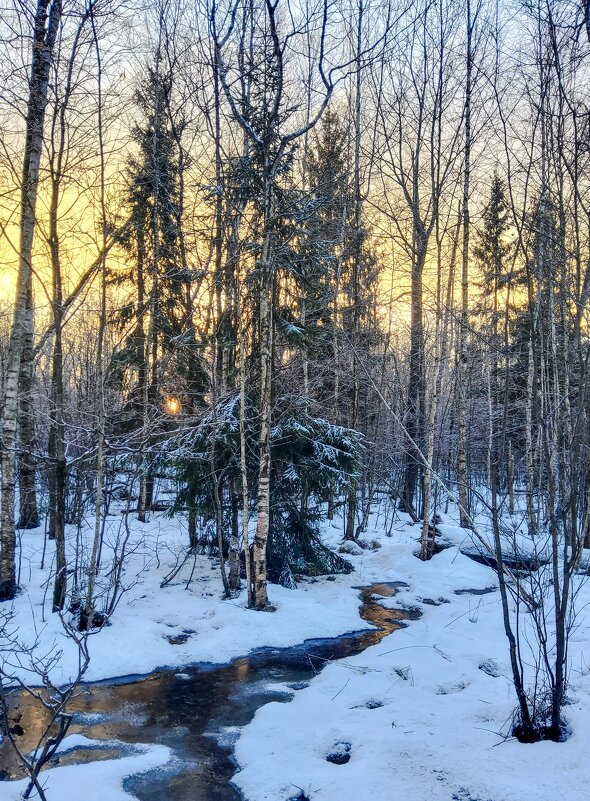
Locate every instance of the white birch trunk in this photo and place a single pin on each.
(47, 19)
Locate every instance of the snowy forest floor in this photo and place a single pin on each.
(425, 712)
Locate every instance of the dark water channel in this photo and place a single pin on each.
(196, 711)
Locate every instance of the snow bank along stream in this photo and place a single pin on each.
(196, 713)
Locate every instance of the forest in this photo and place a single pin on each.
(295, 400)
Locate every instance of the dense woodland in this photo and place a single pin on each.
(265, 262)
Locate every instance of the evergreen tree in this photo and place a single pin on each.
(311, 458)
(324, 245)
(158, 364)
(493, 250)
(339, 289)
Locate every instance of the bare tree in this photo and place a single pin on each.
(28, 668)
(265, 131)
(45, 29)
(419, 148)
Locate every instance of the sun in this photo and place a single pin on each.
(172, 405)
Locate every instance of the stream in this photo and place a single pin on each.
(197, 711)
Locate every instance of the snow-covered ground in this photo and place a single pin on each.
(426, 710)
(422, 715)
(94, 781)
(190, 608)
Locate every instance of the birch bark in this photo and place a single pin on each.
(46, 24)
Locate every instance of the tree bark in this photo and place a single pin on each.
(464, 329)
(46, 25)
(351, 506)
(266, 358)
(414, 422)
(28, 516)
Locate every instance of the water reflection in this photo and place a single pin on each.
(196, 712)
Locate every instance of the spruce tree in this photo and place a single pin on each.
(492, 251)
(159, 356)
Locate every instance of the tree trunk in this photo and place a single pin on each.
(440, 335)
(28, 516)
(46, 25)
(414, 422)
(146, 492)
(87, 618)
(266, 359)
(57, 454)
(351, 506)
(58, 476)
(464, 329)
(234, 539)
(243, 459)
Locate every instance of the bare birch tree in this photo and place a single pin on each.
(45, 30)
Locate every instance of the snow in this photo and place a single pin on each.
(426, 711)
(149, 618)
(423, 716)
(100, 780)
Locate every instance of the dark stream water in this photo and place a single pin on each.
(196, 710)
